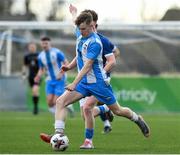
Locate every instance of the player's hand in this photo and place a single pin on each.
(72, 9)
(108, 81)
(64, 68)
(37, 79)
(70, 87)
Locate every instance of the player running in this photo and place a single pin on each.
(110, 51)
(91, 80)
(50, 60)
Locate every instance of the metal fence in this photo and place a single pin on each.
(12, 94)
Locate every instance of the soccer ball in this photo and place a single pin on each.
(59, 142)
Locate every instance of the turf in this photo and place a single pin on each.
(19, 134)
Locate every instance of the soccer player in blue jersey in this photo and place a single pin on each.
(109, 51)
(90, 80)
(50, 60)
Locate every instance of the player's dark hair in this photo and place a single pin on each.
(45, 38)
(84, 17)
(93, 13)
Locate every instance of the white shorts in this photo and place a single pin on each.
(82, 102)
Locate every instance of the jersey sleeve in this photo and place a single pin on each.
(60, 56)
(40, 64)
(108, 47)
(93, 50)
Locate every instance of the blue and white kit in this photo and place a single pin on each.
(52, 61)
(94, 82)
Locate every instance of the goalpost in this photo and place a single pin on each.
(6, 41)
(5, 56)
(123, 35)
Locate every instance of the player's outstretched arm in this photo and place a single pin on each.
(73, 11)
(70, 66)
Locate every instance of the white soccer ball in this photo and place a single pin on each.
(59, 142)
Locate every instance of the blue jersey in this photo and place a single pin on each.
(108, 47)
(51, 60)
(90, 48)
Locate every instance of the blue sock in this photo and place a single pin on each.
(89, 133)
(102, 109)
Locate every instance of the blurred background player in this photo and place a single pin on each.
(30, 70)
(50, 61)
(110, 52)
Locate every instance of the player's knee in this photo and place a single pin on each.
(87, 109)
(35, 89)
(50, 104)
(35, 93)
(61, 101)
(117, 111)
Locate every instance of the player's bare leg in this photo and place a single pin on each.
(62, 102)
(106, 116)
(89, 123)
(128, 113)
(51, 103)
(35, 94)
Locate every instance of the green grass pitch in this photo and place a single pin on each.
(19, 134)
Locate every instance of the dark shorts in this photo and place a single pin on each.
(32, 83)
